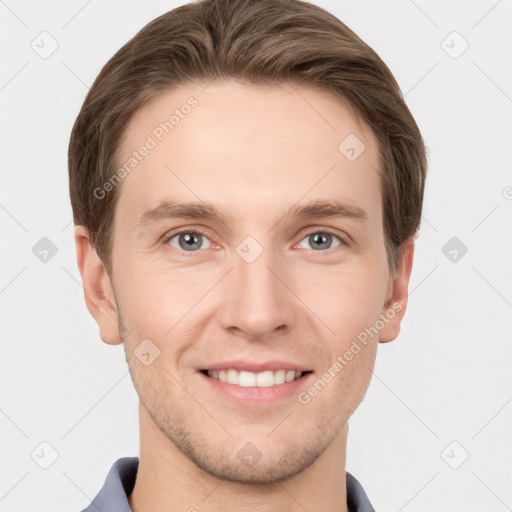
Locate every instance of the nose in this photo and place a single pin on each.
(256, 302)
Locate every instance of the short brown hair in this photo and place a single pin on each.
(260, 42)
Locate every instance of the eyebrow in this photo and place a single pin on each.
(330, 208)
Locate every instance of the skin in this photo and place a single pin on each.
(251, 151)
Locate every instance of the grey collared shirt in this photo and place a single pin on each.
(120, 481)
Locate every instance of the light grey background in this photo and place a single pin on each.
(442, 391)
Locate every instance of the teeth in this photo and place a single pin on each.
(250, 380)
(280, 377)
(290, 375)
(244, 379)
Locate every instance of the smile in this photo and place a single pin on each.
(248, 379)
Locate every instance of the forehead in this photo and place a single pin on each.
(248, 146)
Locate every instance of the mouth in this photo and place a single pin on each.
(247, 382)
(262, 379)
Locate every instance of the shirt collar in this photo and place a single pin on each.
(120, 481)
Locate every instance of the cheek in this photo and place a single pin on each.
(157, 303)
(348, 299)
(358, 363)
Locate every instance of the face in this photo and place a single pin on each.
(248, 248)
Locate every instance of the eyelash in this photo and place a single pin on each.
(169, 236)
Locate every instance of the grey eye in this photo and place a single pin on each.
(189, 241)
(321, 241)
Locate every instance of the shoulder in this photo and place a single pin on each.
(118, 485)
(357, 500)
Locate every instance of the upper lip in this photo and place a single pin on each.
(256, 366)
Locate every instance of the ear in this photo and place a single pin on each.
(397, 294)
(98, 291)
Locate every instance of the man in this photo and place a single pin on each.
(246, 182)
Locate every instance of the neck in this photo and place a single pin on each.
(168, 481)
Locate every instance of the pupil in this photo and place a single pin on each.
(191, 241)
(320, 238)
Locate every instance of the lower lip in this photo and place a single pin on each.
(257, 395)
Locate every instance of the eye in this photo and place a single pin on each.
(189, 241)
(321, 240)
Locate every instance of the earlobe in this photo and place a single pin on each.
(98, 291)
(396, 303)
